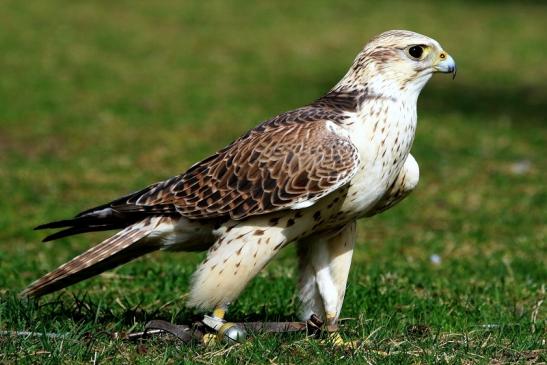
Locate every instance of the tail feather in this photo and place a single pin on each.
(77, 230)
(95, 220)
(92, 217)
(124, 246)
(56, 224)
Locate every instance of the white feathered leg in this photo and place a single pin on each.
(324, 269)
(240, 252)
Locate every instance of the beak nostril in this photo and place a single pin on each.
(443, 56)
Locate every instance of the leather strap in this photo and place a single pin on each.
(312, 326)
(187, 333)
(181, 331)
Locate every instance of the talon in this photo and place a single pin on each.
(336, 339)
(210, 339)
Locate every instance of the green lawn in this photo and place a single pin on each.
(101, 98)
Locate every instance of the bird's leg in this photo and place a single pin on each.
(219, 312)
(325, 263)
(239, 253)
(224, 331)
(233, 260)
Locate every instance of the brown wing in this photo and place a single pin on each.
(287, 162)
(273, 167)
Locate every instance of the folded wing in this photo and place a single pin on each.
(273, 167)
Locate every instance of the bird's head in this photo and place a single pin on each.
(399, 61)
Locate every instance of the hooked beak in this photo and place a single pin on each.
(446, 65)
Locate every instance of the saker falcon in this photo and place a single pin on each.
(304, 176)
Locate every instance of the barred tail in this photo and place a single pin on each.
(123, 247)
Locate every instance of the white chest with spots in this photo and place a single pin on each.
(383, 131)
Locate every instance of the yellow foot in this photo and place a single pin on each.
(334, 338)
(213, 339)
(210, 339)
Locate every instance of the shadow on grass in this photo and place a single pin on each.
(83, 309)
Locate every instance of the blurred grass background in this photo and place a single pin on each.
(100, 98)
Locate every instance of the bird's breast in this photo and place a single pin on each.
(383, 132)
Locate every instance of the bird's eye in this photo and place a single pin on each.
(416, 51)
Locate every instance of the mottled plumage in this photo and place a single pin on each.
(305, 175)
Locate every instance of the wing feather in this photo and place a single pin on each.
(267, 170)
(287, 162)
(290, 161)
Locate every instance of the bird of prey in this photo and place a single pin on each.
(304, 176)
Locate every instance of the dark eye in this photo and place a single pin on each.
(416, 51)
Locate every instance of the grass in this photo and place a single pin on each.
(101, 98)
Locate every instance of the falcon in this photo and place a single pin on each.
(304, 176)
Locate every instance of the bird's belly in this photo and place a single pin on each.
(371, 182)
(348, 203)
(363, 193)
